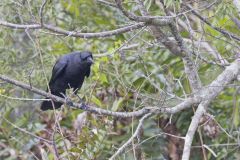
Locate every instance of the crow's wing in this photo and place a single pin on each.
(58, 69)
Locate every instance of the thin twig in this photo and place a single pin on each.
(25, 131)
(57, 157)
(125, 145)
(41, 11)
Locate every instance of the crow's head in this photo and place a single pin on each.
(86, 57)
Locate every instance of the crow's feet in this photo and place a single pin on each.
(68, 101)
(83, 106)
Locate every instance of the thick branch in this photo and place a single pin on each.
(192, 129)
(192, 73)
(207, 95)
(190, 67)
(227, 76)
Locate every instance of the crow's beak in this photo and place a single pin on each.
(90, 60)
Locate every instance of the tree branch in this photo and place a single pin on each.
(19, 26)
(190, 67)
(90, 108)
(73, 33)
(192, 129)
(84, 107)
(95, 35)
(207, 95)
(153, 20)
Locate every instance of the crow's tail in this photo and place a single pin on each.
(46, 105)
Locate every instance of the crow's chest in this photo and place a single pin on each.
(74, 77)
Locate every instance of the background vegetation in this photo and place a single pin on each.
(132, 70)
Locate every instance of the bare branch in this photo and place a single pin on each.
(94, 35)
(207, 95)
(210, 50)
(20, 26)
(192, 129)
(74, 33)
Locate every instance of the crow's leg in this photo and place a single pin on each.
(67, 99)
(79, 98)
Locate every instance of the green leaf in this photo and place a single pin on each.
(103, 78)
(95, 67)
(236, 115)
(117, 103)
(76, 150)
(148, 4)
(96, 101)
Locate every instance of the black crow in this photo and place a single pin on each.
(68, 72)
